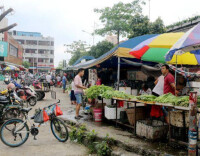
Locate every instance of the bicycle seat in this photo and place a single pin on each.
(26, 110)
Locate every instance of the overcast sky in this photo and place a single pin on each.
(65, 19)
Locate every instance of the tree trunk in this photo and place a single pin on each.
(118, 32)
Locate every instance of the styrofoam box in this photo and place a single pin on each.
(127, 90)
(134, 92)
(194, 84)
(107, 101)
(110, 113)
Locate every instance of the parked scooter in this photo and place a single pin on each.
(38, 89)
(10, 107)
(26, 93)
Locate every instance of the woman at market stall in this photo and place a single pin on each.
(145, 90)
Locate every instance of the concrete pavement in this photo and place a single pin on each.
(46, 144)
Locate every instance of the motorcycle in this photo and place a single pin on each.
(10, 107)
(26, 93)
(38, 89)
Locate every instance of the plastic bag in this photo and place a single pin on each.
(38, 118)
(58, 111)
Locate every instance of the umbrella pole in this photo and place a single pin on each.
(118, 73)
(175, 74)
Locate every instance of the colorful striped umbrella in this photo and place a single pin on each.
(190, 41)
(10, 68)
(155, 49)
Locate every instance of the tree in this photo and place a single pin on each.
(26, 64)
(158, 26)
(100, 49)
(77, 49)
(141, 25)
(60, 65)
(117, 18)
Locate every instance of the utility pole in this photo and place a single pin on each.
(149, 9)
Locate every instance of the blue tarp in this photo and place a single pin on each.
(82, 58)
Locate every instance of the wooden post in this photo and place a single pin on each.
(192, 145)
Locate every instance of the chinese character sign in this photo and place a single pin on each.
(3, 49)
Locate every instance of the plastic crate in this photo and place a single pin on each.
(179, 133)
(140, 114)
(110, 113)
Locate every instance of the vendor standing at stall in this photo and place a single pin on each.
(169, 82)
(78, 91)
(169, 86)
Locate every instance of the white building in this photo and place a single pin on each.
(38, 50)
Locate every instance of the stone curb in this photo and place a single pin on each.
(129, 148)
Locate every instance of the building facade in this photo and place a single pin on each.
(38, 50)
(11, 52)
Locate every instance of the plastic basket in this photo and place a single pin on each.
(110, 113)
(140, 114)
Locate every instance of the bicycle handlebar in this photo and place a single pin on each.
(53, 104)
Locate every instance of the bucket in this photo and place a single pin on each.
(97, 115)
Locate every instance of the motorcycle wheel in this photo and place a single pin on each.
(39, 96)
(43, 95)
(32, 101)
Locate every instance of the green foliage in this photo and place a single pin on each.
(182, 22)
(91, 136)
(77, 49)
(140, 25)
(26, 64)
(78, 134)
(117, 18)
(103, 149)
(60, 65)
(116, 94)
(72, 134)
(100, 49)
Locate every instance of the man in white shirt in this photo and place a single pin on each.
(48, 78)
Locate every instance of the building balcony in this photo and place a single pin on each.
(38, 47)
(31, 55)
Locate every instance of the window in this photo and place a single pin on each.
(52, 52)
(31, 42)
(32, 51)
(52, 43)
(41, 51)
(40, 60)
(51, 60)
(21, 41)
(44, 43)
(13, 50)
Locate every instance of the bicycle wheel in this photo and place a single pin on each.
(59, 130)
(13, 113)
(14, 132)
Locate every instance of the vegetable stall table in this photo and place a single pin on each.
(172, 108)
(128, 101)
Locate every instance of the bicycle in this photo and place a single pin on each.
(15, 132)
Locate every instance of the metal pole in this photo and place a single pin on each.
(192, 134)
(118, 73)
(176, 74)
(149, 9)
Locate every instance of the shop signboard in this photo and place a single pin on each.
(3, 49)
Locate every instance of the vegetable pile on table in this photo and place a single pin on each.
(150, 98)
(106, 92)
(166, 98)
(95, 91)
(116, 94)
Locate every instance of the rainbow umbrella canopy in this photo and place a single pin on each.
(190, 41)
(154, 49)
(11, 68)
